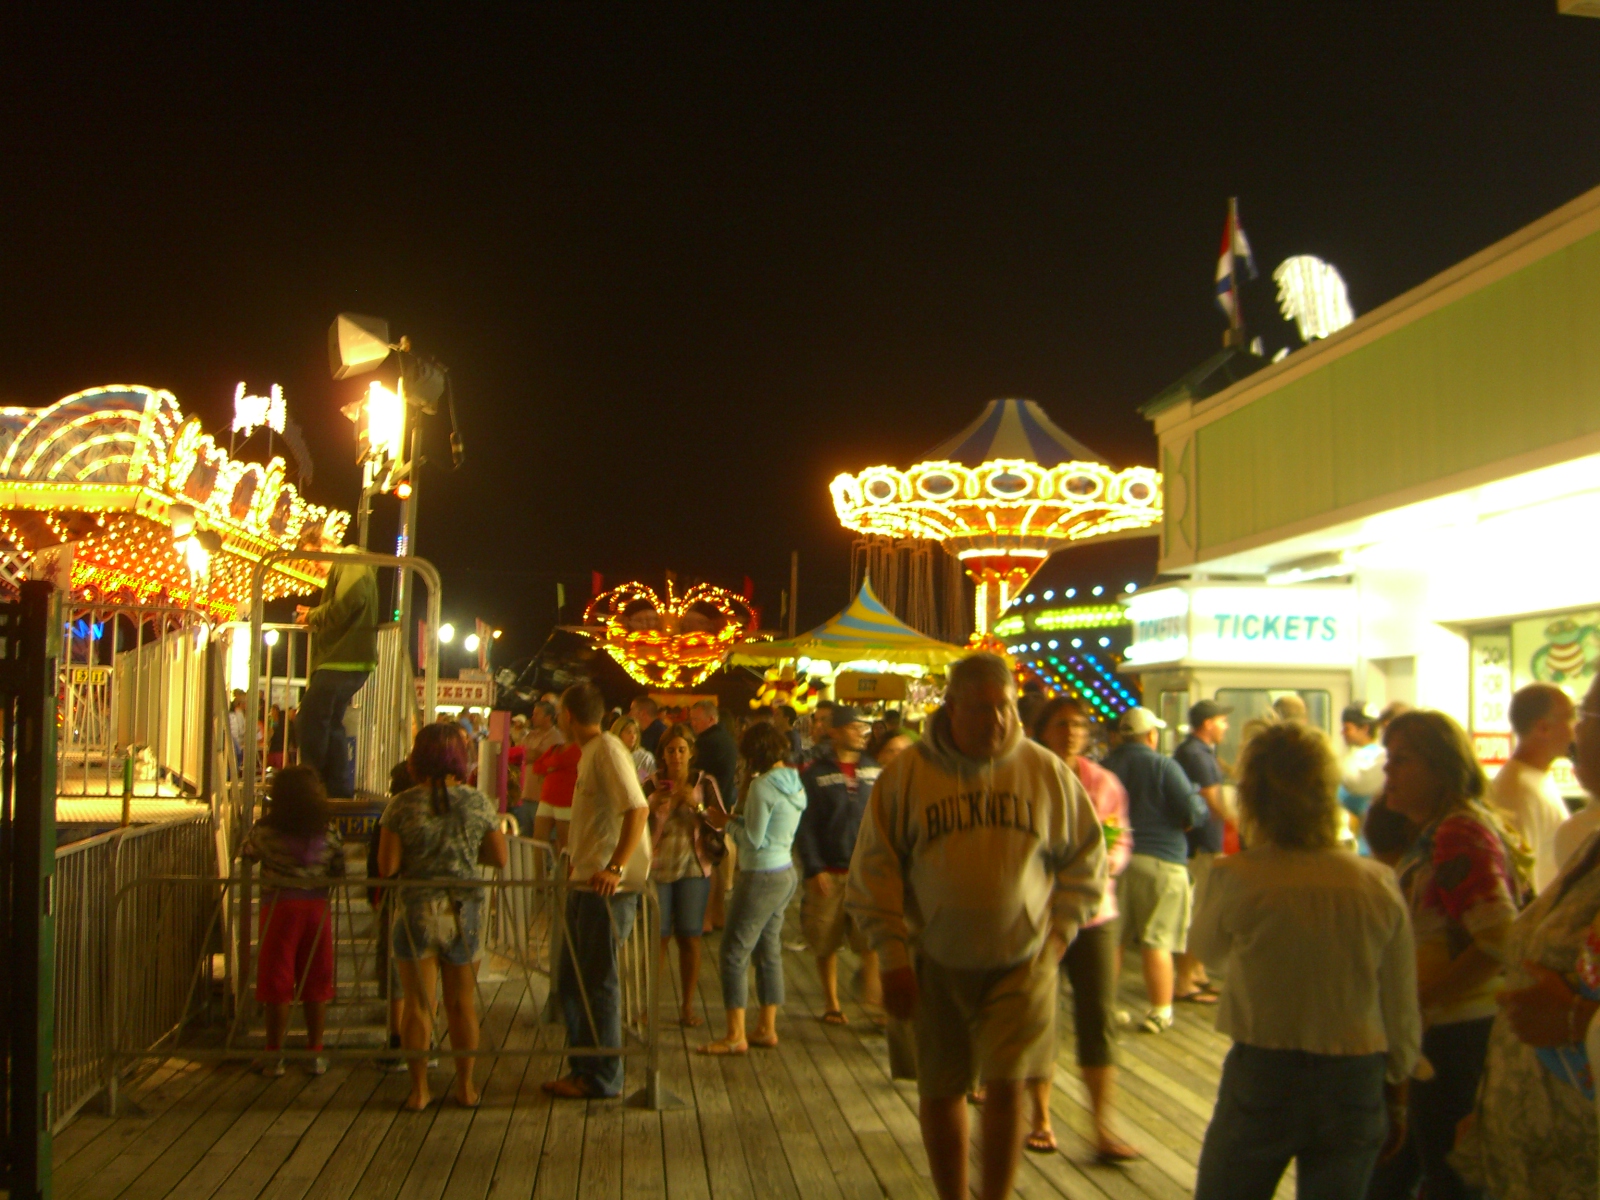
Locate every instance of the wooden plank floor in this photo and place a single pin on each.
(818, 1117)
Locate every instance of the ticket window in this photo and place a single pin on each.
(1248, 703)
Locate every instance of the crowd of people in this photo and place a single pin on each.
(1405, 953)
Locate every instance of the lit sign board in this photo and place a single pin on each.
(1268, 626)
(460, 691)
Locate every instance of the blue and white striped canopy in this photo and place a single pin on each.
(864, 630)
(1015, 429)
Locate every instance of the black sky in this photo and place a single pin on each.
(690, 262)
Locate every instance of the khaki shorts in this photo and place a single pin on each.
(985, 1026)
(824, 922)
(550, 810)
(1155, 897)
(1199, 873)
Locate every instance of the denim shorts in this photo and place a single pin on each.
(447, 927)
(683, 905)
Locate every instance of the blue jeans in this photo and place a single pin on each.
(754, 927)
(323, 745)
(1325, 1111)
(591, 955)
(1456, 1050)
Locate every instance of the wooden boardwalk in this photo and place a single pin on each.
(818, 1117)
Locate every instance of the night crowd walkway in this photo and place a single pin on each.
(818, 1117)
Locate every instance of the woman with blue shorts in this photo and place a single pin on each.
(439, 830)
(681, 862)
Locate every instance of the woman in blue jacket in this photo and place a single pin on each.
(762, 828)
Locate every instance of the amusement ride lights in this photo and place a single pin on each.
(999, 513)
(672, 641)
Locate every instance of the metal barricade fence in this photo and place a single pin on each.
(89, 876)
(524, 929)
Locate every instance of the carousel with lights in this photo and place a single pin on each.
(672, 642)
(116, 492)
(1001, 497)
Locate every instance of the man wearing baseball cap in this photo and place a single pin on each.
(1154, 891)
(1197, 755)
(837, 782)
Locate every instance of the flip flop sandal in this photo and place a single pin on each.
(1041, 1142)
(1198, 996)
(724, 1049)
(1119, 1155)
(835, 1016)
(763, 1044)
(690, 1022)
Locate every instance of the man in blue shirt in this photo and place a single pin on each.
(1197, 755)
(1154, 891)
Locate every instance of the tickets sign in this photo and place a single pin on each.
(470, 693)
(1221, 625)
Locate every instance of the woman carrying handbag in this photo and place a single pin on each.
(685, 851)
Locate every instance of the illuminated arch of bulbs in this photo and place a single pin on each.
(669, 641)
(102, 471)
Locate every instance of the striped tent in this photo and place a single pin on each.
(1016, 429)
(864, 630)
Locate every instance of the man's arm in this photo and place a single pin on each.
(1184, 802)
(605, 881)
(344, 605)
(805, 835)
(875, 893)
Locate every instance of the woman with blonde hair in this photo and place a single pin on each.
(1321, 994)
(1464, 880)
(626, 730)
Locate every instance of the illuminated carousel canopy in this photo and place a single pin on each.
(145, 506)
(1002, 496)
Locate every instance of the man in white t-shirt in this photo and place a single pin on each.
(609, 866)
(1542, 717)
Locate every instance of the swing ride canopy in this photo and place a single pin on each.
(866, 630)
(1002, 496)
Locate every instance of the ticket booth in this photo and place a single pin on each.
(1245, 646)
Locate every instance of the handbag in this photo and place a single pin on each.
(713, 841)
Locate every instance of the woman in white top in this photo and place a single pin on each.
(626, 730)
(1321, 994)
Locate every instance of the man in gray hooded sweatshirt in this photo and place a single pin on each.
(982, 853)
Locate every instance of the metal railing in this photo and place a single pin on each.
(525, 930)
(89, 876)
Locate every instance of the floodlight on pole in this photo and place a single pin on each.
(471, 643)
(357, 344)
(447, 633)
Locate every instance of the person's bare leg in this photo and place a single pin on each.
(316, 1012)
(1101, 1083)
(871, 979)
(544, 829)
(735, 1035)
(944, 1137)
(1040, 1090)
(277, 1022)
(1002, 1137)
(767, 1024)
(416, 1029)
(828, 970)
(461, 1011)
(1157, 977)
(1190, 973)
(689, 976)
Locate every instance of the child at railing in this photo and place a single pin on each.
(295, 838)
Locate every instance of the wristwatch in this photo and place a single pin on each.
(613, 869)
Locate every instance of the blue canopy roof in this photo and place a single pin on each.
(1013, 429)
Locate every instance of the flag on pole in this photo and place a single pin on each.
(597, 584)
(561, 597)
(1235, 246)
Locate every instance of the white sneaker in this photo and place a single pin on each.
(319, 1066)
(1155, 1022)
(272, 1068)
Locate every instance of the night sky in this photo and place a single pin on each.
(689, 262)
